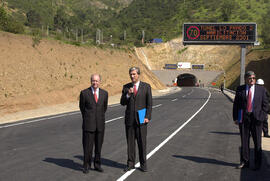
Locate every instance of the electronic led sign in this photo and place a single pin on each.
(219, 33)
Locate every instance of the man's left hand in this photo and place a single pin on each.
(146, 120)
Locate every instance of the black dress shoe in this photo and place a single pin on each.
(242, 165)
(128, 168)
(85, 170)
(99, 169)
(143, 169)
(266, 136)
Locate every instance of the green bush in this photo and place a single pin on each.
(9, 24)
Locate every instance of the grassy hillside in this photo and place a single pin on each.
(123, 21)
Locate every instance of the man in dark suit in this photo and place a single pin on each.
(249, 111)
(136, 96)
(93, 105)
(265, 123)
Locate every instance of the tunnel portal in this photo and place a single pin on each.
(186, 79)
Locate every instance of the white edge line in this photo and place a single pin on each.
(37, 120)
(62, 115)
(157, 106)
(123, 177)
(174, 100)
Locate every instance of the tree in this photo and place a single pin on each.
(61, 20)
(9, 24)
(265, 23)
(3, 18)
(33, 18)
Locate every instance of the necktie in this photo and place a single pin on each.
(249, 102)
(95, 95)
(134, 90)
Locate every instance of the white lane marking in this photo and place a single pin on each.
(114, 119)
(37, 120)
(174, 99)
(184, 96)
(190, 92)
(157, 106)
(123, 177)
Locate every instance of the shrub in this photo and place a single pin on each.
(9, 24)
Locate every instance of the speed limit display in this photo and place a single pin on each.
(219, 33)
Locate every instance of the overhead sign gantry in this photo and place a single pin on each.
(222, 34)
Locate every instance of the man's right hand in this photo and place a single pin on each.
(236, 122)
(130, 91)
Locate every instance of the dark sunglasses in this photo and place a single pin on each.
(251, 78)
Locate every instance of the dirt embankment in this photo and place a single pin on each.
(257, 61)
(213, 57)
(53, 72)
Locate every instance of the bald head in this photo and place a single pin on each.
(95, 80)
(95, 75)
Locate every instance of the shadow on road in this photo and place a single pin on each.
(107, 162)
(229, 97)
(67, 163)
(205, 160)
(260, 175)
(245, 174)
(225, 133)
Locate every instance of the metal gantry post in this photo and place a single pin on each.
(242, 69)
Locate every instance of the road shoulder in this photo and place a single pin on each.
(68, 107)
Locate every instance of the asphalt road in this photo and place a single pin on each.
(191, 137)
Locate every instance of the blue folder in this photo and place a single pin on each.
(240, 115)
(141, 114)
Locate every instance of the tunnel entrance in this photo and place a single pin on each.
(186, 80)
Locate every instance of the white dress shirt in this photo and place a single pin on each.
(97, 91)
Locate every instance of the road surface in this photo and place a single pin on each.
(191, 137)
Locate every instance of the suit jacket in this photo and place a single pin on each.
(260, 103)
(93, 114)
(143, 99)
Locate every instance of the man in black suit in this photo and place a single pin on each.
(136, 96)
(249, 111)
(265, 123)
(93, 105)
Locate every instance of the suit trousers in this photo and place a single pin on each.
(253, 127)
(265, 127)
(89, 140)
(139, 133)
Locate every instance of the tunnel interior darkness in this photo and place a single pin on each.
(186, 79)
